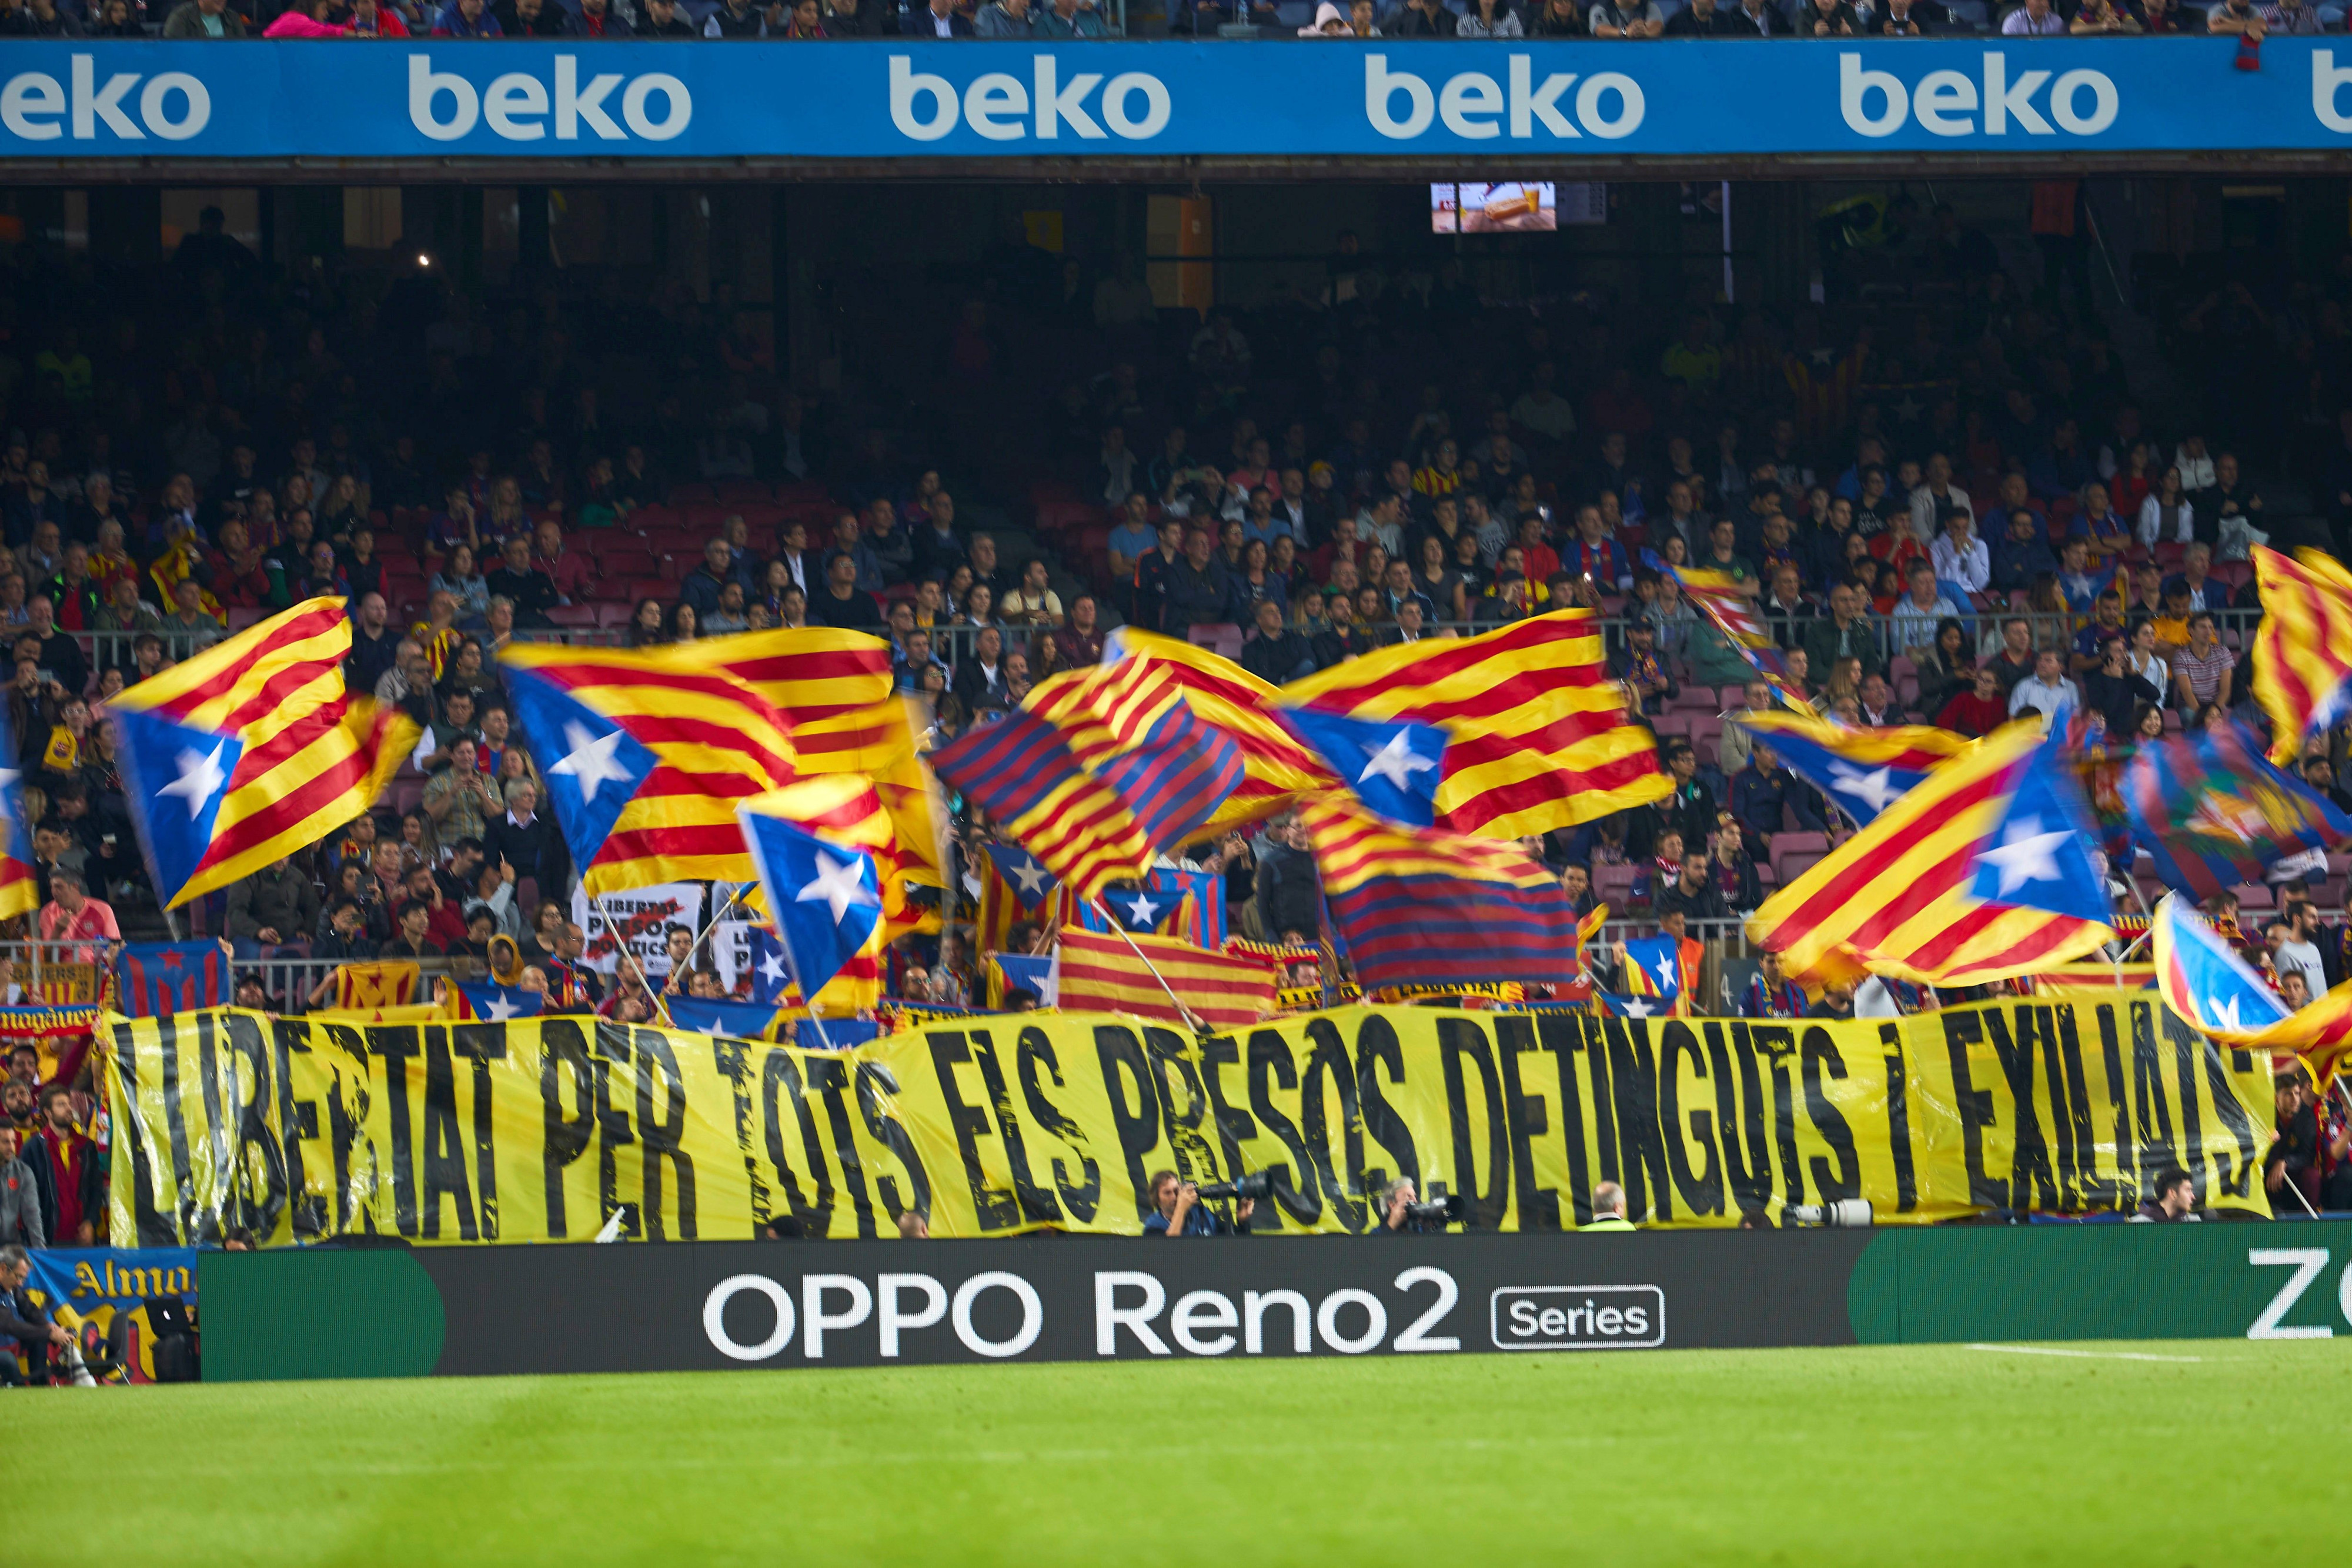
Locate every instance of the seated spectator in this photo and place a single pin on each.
(2203, 672)
(1273, 652)
(1641, 670)
(2205, 591)
(528, 842)
(2047, 692)
(839, 602)
(203, 19)
(526, 588)
(1076, 642)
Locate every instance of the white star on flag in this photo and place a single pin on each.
(1908, 409)
(499, 1010)
(1397, 762)
(1874, 789)
(771, 967)
(839, 885)
(2026, 855)
(2225, 1013)
(1030, 875)
(1667, 977)
(1142, 910)
(1638, 1008)
(592, 761)
(200, 778)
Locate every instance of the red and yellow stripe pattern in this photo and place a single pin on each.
(2303, 649)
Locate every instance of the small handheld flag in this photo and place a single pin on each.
(825, 900)
(492, 1003)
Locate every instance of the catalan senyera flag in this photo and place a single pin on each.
(1422, 906)
(1897, 898)
(1101, 769)
(1539, 734)
(252, 750)
(1100, 972)
(1277, 769)
(877, 743)
(806, 674)
(713, 741)
(2203, 980)
(2303, 649)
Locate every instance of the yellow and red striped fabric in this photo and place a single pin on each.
(314, 757)
(20, 894)
(1275, 768)
(809, 674)
(877, 743)
(717, 742)
(1100, 972)
(1893, 899)
(1538, 733)
(2303, 648)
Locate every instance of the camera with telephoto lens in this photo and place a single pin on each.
(1446, 1208)
(1252, 1187)
(1844, 1214)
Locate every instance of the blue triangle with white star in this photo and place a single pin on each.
(1023, 873)
(770, 978)
(493, 1003)
(1143, 908)
(591, 764)
(2038, 855)
(826, 899)
(175, 777)
(1621, 1006)
(739, 1020)
(1392, 766)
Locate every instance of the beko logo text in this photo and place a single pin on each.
(1472, 105)
(1577, 1317)
(1876, 103)
(516, 106)
(1134, 105)
(173, 105)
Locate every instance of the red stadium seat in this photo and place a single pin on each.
(2255, 895)
(1224, 637)
(1671, 722)
(573, 615)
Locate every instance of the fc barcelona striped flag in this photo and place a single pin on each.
(1420, 906)
(1099, 973)
(1276, 767)
(2303, 649)
(1539, 734)
(156, 979)
(1120, 770)
(251, 751)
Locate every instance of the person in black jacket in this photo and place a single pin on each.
(25, 1322)
(1276, 653)
(1194, 592)
(1421, 19)
(528, 842)
(1289, 893)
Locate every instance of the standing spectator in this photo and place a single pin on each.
(20, 1197)
(78, 923)
(272, 912)
(66, 1171)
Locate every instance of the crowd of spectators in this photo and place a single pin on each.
(1058, 20)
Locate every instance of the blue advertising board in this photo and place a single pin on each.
(930, 100)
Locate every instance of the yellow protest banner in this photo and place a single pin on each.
(545, 1128)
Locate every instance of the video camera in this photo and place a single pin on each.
(1255, 1186)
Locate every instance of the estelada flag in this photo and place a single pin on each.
(383, 985)
(1098, 973)
(808, 674)
(1539, 734)
(251, 751)
(2303, 649)
(1980, 872)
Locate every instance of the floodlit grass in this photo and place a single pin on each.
(1909, 1456)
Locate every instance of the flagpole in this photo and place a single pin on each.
(793, 963)
(718, 913)
(1190, 1018)
(620, 952)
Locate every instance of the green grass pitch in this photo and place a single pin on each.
(2233, 1453)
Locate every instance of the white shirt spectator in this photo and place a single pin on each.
(2154, 671)
(2303, 955)
(2156, 527)
(1969, 564)
(1546, 413)
(2196, 472)
(2020, 23)
(2055, 700)
(1915, 625)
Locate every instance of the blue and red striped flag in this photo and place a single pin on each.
(1188, 906)
(2212, 812)
(1097, 790)
(1423, 906)
(156, 979)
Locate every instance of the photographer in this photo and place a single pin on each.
(1402, 1214)
(1178, 1210)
